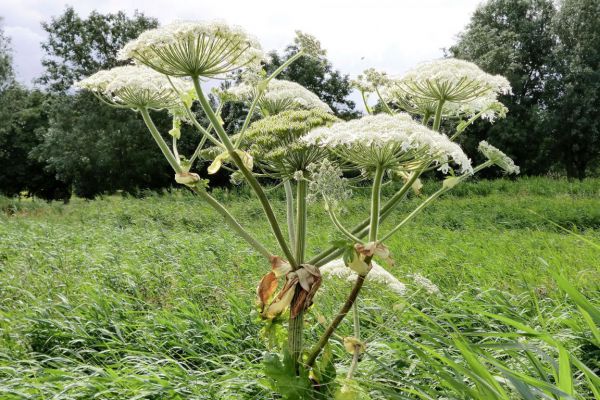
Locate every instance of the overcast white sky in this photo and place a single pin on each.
(385, 34)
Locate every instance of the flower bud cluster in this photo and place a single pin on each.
(327, 182)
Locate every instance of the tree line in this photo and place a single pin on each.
(55, 141)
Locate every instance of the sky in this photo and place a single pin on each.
(385, 34)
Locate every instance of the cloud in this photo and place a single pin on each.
(386, 34)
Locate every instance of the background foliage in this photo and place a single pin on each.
(56, 141)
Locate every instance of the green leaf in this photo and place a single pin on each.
(284, 380)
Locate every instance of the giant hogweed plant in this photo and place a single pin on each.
(300, 143)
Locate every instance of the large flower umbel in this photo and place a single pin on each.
(198, 49)
(135, 87)
(391, 141)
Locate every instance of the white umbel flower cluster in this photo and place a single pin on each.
(135, 86)
(205, 49)
(280, 95)
(377, 274)
(464, 87)
(408, 140)
(499, 158)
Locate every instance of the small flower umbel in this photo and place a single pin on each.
(141, 89)
(135, 87)
(197, 49)
(279, 96)
(449, 87)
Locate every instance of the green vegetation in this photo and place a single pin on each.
(126, 298)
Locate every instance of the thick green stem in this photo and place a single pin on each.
(289, 207)
(231, 221)
(250, 178)
(296, 324)
(301, 215)
(312, 357)
(160, 141)
(350, 301)
(375, 203)
(364, 99)
(385, 105)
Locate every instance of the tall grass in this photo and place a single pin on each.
(153, 298)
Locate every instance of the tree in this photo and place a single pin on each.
(78, 47)
(92, 146)
(514, 38)
(6, 70)
(317, 75)
(574, 88)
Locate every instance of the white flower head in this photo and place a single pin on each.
(499, 158)
(462, 85)
(136, 87)
(377, 275)
(389, 140)
(280, 95)
(202, 49)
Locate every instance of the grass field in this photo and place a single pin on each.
(154, 298)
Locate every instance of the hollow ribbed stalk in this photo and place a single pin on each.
(339, 225)
(250, 178)
(385, 105)
(160, 141)
(375, 203)
(296, 324)
(438, 115)
(364, 99)
(361, 230)
(289, 207)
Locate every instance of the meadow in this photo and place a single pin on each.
(153, 297)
